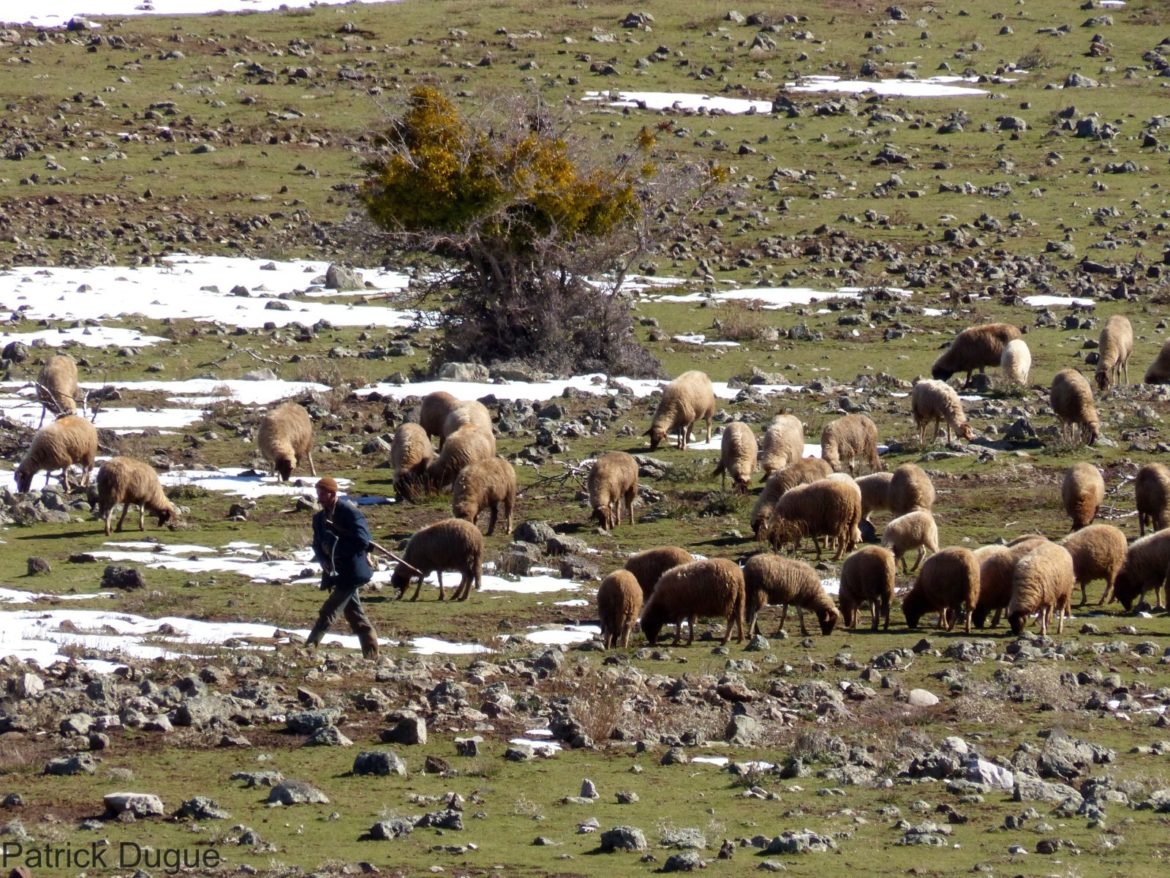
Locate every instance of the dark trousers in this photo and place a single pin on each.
(344, 599)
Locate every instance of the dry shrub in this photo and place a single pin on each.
(743, 321)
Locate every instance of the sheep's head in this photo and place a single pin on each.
(651, 624)
(1125, 588)
(656, 434)
(913, 607)
(979, 616)
(940, 373)
(828, 620)
(1017, 621)
(23, 480)
(784, 531)
(284, 467)
(603, 517)
(1102, 377)
(1092, 432)
(966, 432)
(168, 517)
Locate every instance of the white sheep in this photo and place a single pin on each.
(771, 579)
(450, 544)
(433, 411)
(947, 582)
(1042, 583)
(471, 412)
(67, 441)
(783, 444)
(875, 493)
(802, 472)
(974, 348)
(687, 399)
(128, 481)
(1072, 402)
(286, 438)
(1113, 350)
(710, 587)
(829, 508)
(848, 440)
(1016, 362)
(737, 455)
(1081, 493)
(1159, 371)
(57, 387)
(485, 484)
(619, 601)
(613, 485)
(411, 453)
(1151, 489)
(1098, 551)
(910, 489)
(867, 576)
(914, 530)
(463, 447)
(932, 402)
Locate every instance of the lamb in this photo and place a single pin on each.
(948, 581)
(910, 489)
(1113, 350)
(613, 484)
(1081, 493)
(619, 600)
(1016, 362)
(711, 587)
(914, 530)
(57, 387)
(450, 544)
(464, 413)
(411, 453)
(465, 446)
(433, 411)
(867, 575)
(286, 438)
(830, 507)
(1151, 490)
(687, 399)
(974, 348)
(802, 472)
(848, 440)
(1042, 583)
(66, 441)
(875, 493)
(783, 444)
(127, 481)
(1159, 371)
(770, 579)
(1146, 566)
(996, 566)
(932, 402)
(1072, 402)
(485, 484)
(1098, 551)
(738, 453)
(648, 566)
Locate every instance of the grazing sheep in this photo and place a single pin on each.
(1081, 493)
(1016, 362)
(910, 489)
(914, 530)
(486, 484)
(411, 453)
(1113, 350)
(57, 387)
(1098, 551)
(450, 544)
(1151, 491)
(830, 507)
(711, 587)
(619, 600)
(802, 472)
(687, 399)
(948, 581)
(68, 440)
(770, 579)
(465, 446)
(127, 481)
(1146, 566)
(974, 348)
(867, 575)
(783, 444)
(286, 438)
(996, 566)
(648, 566)
(613, 484)
(738, 453)
(933, 402)
(432, 414)
(464, 413)
(1159, 371)
(875, 493)
(1042, 583)
(848, 440)
(1072, 402)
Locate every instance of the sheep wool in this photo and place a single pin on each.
(411, 453)
(875, 493)
(619, 600)
(829, 508)
(687, 399)
(1081, 493)
(974, 348)
(996, 566)
(472, 412)
(802, 472)
(1113, 349)
(433, 411)
(738, 454)
(1016, 362)
(910, 489)
(128, 481)
(1151, 489)
(783, 444)
(933, 402)
(1042, 584)
(1072, 402)
(286, 439)
(465, 446)
(66, 441)
(867, 576)
(613, 485)
(1146, 566)
(914, 530)
(1097, 551)
(712, 587)
(486, 484)
(848, 441)
(57, 387)
(771, 579)
(1159, 371)
(947, 582)
(450, 544)
(648, 566)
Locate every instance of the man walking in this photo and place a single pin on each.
(340, 541)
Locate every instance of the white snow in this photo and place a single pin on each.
(1057, 302)
(666, 100)
(55, 13)
(934, 87)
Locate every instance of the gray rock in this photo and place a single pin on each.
(296, 792)
(623, 838)
(538, 532)
(203, 711)
(64, 766)
(468, 746)
(674, 756)
(339, 277)
(138, 804)
(201, 808)
(687, 861)
(990, 774)
(464, 372)
(803, 842)
(388, 830)
(122, 577)
(411, 730)
(922, 698)
(379, 763)
(589, 790)
(686, 838)
(743, 731)
(76, 724)
(1032, 789)
(446, 819)
(28, 685)
(328, 736)
(308, 721)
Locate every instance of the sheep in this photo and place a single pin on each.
(830, 507)
(1072, 402)
(613, 484)
(711, 587)
(914, 530)
(687, 399)
(770, 579)
(648, 566)
(848, 440)
(910, 489)
(1159, 371)
(1146, 566)
(485, 484)
(465, 446)
(464, 413)
(867, 575)
(1042, 583)
(619, 600)
(411, 453)
(783, 444)
(57, 387)
(450, 544)
(948, 581)
(127, 481)
(1081, 493)
(1113, 350)
(1098, 551)
(433, 411)
(286, 438)
(68, 440)
(1151, 489)
(932, 402)
(974, 348)
(875, 493)
(1016, 362)
(738, 453)
(802, 472)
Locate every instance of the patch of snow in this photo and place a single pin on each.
(700, 339)
(1057, 301)
(666, 100)
(564, 635)
(434, 646)
(85, 336)
(56, 13)
(935, 87)
(15, 596)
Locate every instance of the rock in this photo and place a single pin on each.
(1032, 789)
(538, 532)
(65, 766)
(340, 277)
(38, 567)
(201, 808)
(468, 746)
(687, 861)
(28, 685)
(674, 756)
(137, 804)
(388, 830)
(122, 577)
(472, 372)
(685, 838)
(743, 731)
(296, 792)
(447, 819)
(922, 698)
(328, 736)
(379, 763)
(803, 842)
(623, 838)
(589, 790)
(990, 774)
(412, 730)
(308, 721)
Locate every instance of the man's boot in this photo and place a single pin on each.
(369, 642)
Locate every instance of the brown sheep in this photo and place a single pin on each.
(934, 402)
(948, 582)
(68, 440)
(471, 412)
(286, 439)
(128, 481)
(848, 440)
(1146, 566)
(804, 471)
(867, 576)
(914, 530)
(1159, 371)
(648, 566)
(1081, 493)
(1151, 491)
(711, 587)
(910, 489)
(1113, 350)
(974, 348)
(464, 447)
(613, 485)
(450, 544)
(783, 444)
(996, 566)
(1072, 402)
(486, 484)
(1016, 362)
(771, 579)
(433, 411)
(687, 399)
(738, 453)
(830, 508)
(411, 453)
(875, 493)
(1042, 583)
(1098, 551)
(619, 600)
(57, 387)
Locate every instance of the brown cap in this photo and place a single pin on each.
(327, 483)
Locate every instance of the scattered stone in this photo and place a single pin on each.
(136, 804)
(623, 838)
(296, 792)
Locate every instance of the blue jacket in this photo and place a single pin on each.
(341, 549)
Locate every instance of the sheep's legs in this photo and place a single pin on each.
(312, 468)
(691, 630)
(493, 513)
(122, 520)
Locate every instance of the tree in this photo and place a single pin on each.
(540, 233)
